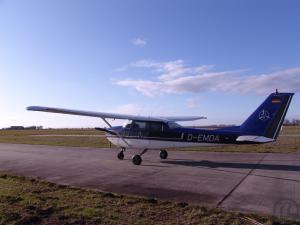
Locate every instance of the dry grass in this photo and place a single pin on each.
(29, 201)
(84, 141)
(290, 130)
(36, 137)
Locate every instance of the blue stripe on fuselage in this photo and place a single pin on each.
(183, 134)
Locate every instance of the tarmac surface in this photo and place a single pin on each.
(247, 182)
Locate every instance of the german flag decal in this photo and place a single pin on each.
(276, 100)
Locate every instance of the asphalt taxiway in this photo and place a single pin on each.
(248, 182)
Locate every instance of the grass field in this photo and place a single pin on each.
(36, 137)
(29, 201)
(290, 143)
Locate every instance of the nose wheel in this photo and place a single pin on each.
(163, 154)
(137, 160)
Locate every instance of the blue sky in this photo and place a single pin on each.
(214, 58)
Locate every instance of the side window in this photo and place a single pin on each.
(156, 127)
(136, 125)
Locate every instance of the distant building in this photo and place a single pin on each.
(15, 128)
(30, 128)
(24, 128)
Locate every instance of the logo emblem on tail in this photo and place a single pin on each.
(264, 115)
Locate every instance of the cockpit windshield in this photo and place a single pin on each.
(135, 125)
(173, 125)
(127, 124)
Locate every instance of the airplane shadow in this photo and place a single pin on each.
(212, 164)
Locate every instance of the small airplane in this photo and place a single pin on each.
(161, 133)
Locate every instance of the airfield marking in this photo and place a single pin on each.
(241, 181)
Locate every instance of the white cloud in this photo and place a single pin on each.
(177, 77)
(131, 109)
(171, 69)
(139, 41)
(193, 103)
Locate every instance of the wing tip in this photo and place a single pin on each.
(35, 108)
(30, 108)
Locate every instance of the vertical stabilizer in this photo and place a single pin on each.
(267, 119)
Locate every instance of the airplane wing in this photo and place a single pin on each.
(112, 115)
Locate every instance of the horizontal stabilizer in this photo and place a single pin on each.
(252, 138)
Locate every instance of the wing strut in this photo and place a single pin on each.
(119, 135)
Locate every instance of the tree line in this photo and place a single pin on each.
(292, 122)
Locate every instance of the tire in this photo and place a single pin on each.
(137, 160)
(120, 155)
(163, 154)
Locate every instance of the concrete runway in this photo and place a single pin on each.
(248, 182)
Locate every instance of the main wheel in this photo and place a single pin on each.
(121, 155)
(137, 160)
(163, 154)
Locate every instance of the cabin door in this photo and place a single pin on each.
(140, 134)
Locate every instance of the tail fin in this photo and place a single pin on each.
(267, 119)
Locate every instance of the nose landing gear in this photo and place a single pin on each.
(137, 159)
(163, 154)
